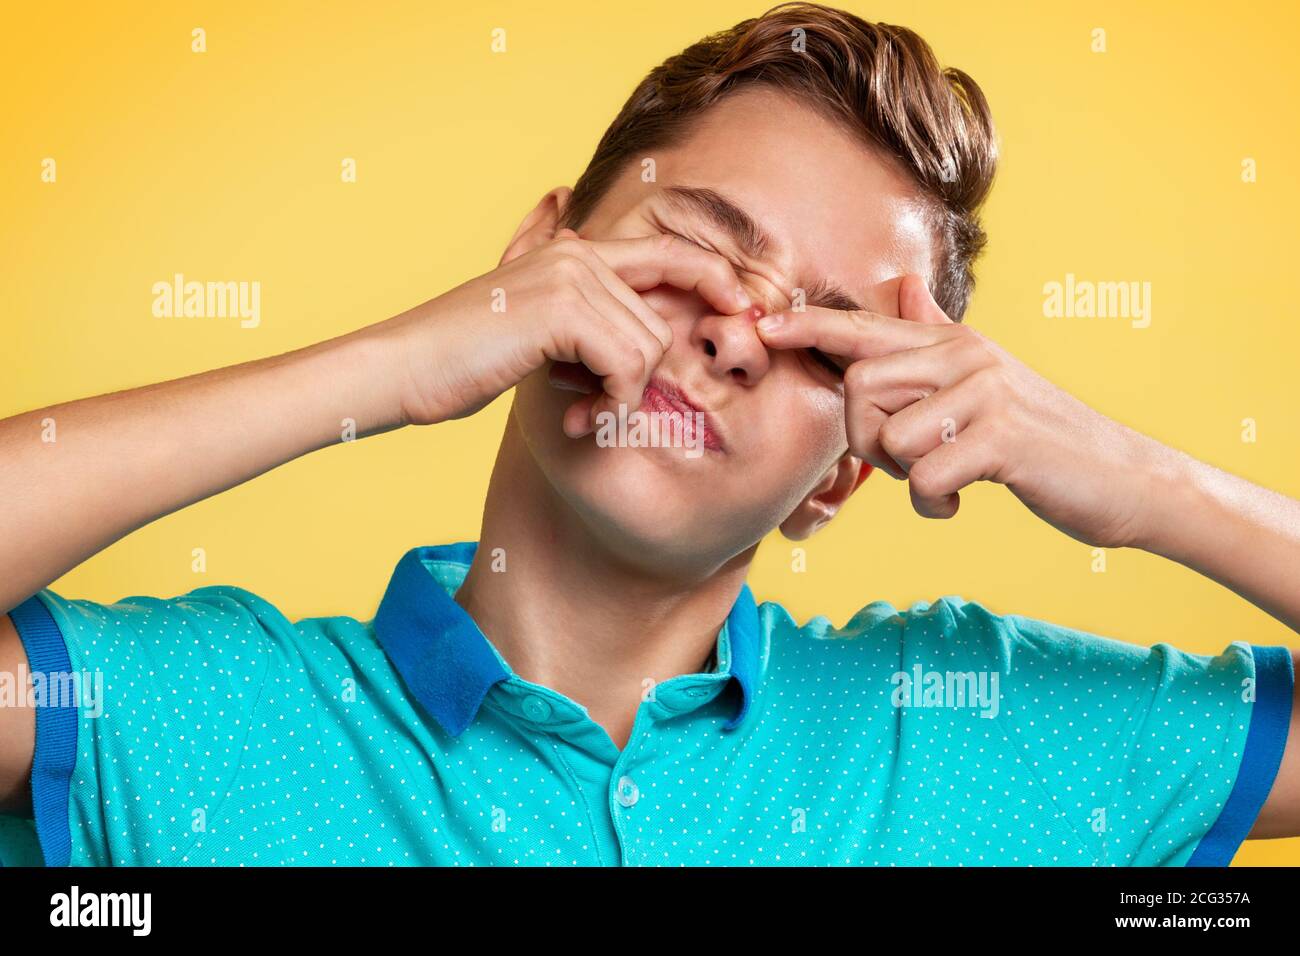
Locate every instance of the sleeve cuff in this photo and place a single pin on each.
(56, 729)
(1270, 718)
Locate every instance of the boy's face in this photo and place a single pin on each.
(839, 224)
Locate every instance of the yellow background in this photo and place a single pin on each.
(1123, 165)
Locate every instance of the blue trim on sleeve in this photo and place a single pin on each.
(56, 732)
(1270, 718)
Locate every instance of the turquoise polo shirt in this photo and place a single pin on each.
(220, 732)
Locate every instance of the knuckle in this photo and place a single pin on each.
(857, 377)
(564, 295)
(568, 269)
(890, 435)
(631, 361)
(979, 346)
(996, 431)
(862, 321)
(569, 246)
(993, 380)
(668, 244)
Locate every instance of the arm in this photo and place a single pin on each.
(120, 461)
(1243, 536)
(1247, 538)
(938, 405)
(17, 730)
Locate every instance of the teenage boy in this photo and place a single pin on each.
(592, 681)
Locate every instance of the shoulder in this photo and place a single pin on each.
(951, 627)
(214, 623)
(877, 633)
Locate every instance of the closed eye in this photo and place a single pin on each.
(823, 359)
(697, 244)
(818, 356)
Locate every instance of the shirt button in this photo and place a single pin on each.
(627, 791)
(536, 709)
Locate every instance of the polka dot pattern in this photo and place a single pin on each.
(942, 734)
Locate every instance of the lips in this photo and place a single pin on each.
(661, 395)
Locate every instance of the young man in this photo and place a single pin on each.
(592, 682)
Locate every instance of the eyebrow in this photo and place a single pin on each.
(753, 241)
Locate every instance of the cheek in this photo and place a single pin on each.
(803, 430)
(822, 425)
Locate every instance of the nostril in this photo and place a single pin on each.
(710, 349)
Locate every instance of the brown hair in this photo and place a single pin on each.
(880, 81)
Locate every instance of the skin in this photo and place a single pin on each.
(623, 562)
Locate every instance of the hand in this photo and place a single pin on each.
(564, 300)
(937, 404)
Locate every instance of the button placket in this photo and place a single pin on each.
(627, 793)
(536, 708)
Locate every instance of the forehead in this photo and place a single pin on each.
(834, 208)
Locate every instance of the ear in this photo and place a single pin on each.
(540, 225)
(821, 504)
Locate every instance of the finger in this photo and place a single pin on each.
(916, 304)
(621, 390)
(848, 335)
(651, 345)
(579, 416)
(941, 506)
(935, 480)
(635, 305)
(881, 389)
(604, 348)
(650, 261)
(917, 429)
(862, 421)
(900, 378)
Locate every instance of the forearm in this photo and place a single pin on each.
(1243, 536)
(76, 477)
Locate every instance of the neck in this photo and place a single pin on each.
(567, 613)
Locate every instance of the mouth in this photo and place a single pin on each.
(698, 427)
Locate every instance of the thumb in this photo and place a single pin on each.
(916, 304)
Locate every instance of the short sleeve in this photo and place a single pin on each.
(1156, 756)
(142, 711)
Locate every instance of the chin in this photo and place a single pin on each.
(655, 509)
(647, 508)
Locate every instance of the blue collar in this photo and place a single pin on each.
(447, 663)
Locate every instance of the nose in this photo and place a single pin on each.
(731, 346)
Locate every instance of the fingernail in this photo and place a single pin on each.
(771, 322)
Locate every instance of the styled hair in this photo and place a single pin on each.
(878, 81)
